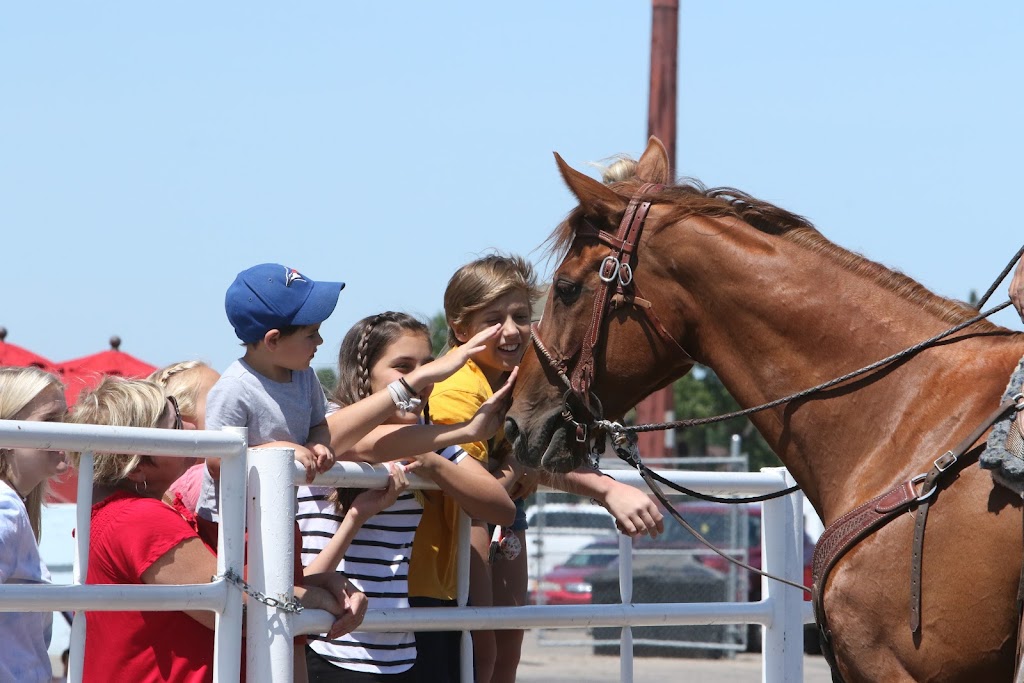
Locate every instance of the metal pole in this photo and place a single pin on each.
(271, 514)
(661, 121)
(782, 533)
(227, 649)
(626, 593)
(83, 511)
(466, 650)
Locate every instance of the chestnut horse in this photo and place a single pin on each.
(761, 297)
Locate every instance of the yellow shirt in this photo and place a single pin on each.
(434, 563)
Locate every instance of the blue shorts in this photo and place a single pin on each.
(520, 523)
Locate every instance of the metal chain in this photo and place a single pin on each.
(292, 606)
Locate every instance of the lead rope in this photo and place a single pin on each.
(625, 445)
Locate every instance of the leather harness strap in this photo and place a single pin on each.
(859, 523)
(931, 484)
(612, 274)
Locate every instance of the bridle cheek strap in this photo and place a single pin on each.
(614, 277)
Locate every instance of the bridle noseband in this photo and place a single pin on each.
(618, 289)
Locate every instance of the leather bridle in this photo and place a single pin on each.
(618, 289)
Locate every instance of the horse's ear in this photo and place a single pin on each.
(653, 166)
(593, 194)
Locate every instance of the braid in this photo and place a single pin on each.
(363, 388)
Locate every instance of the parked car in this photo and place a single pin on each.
(722, 525)
(566, 528)
(567, 584)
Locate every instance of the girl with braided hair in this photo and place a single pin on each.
(368, 535)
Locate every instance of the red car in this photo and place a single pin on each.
(567, 584)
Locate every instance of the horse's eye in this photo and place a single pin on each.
(567, 291)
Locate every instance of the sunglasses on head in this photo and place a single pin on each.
(178, 423)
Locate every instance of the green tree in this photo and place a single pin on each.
(701, 394)
(438, 332)
(328, 379)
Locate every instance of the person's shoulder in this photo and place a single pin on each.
(468, 379)
(12, 510)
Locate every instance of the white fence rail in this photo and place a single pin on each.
(264, 488)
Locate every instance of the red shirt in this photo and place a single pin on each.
(129, 534)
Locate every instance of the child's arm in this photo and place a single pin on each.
(635, 513)
(225, 407)
(319, 445)
(365, 506)
(471, 486)
(390, 442)
(352, 422)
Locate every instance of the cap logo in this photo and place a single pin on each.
(291, 275)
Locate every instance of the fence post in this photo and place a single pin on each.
(626, 593)
(782, 645)
(80, 572)
(466, 665)
(227, 649)
(271, 514)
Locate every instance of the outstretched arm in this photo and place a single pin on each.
(634, 512)
(471, 486)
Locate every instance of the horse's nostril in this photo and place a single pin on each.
(511, 430)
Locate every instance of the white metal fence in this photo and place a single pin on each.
(263, 490)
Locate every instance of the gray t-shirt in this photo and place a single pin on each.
(271, 411)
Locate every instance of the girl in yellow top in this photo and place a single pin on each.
(494, 290)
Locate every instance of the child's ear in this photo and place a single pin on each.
(460, 333)
(271, 338)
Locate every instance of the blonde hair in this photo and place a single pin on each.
(622, 168)
(18, 386)
(479, 283)
(120, 403)
(184, 385)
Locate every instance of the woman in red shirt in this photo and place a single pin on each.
(136, 538)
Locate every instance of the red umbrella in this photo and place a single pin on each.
(85, 373)
(15, 356)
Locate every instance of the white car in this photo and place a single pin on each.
(557, 530)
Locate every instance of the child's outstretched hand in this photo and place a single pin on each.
(369, 503)
(444, 367)
(491, 415)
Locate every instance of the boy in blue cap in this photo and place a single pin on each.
(271, 390)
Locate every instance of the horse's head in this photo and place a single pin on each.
(613, 321)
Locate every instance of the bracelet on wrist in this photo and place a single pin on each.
(408, 387)
(405, 400)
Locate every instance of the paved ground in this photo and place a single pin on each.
(543, 664)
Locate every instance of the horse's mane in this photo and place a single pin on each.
(691, 198)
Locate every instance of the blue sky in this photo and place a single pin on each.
(150, 152)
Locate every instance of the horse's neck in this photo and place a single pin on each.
(818, 322)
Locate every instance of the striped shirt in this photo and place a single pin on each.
(377, 562)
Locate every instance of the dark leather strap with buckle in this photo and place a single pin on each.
(862, 521)
(935, 477)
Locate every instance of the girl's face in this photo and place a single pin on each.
(406, 353)
(31, 466)
(504, 352)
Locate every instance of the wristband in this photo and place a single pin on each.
(405, 400)
(408, 387)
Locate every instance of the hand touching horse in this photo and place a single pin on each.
(761, 297)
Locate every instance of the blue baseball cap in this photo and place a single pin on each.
(271, 296)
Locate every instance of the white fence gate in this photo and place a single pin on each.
(263, 490)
